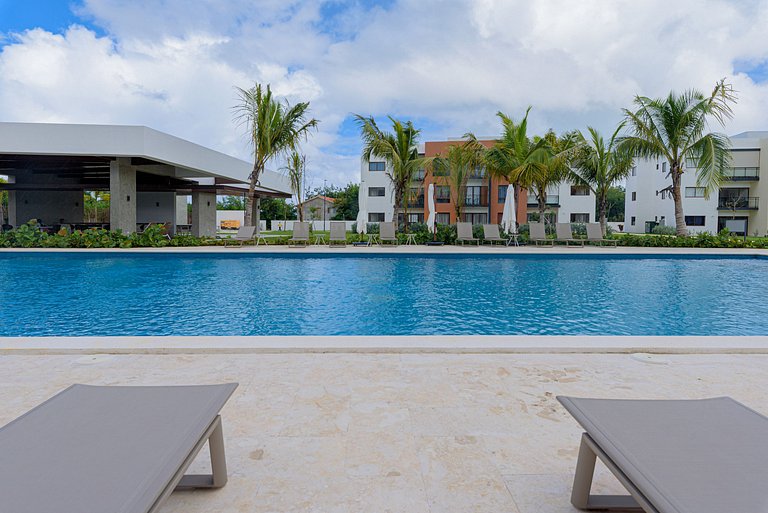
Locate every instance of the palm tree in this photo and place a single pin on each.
(600, 166)
(675, 128)
(531, 163)
(456, 167)
(399, 149)
(296, 169)
(275, 128)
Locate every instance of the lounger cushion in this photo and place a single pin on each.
(686, 456)
(93, 449)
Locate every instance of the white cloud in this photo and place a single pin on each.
(451, 65)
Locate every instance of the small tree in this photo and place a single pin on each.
(296, 169)
(3, 204)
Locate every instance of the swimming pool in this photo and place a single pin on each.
(111, 294)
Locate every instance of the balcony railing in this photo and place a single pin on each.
(738, 203)
(743, 174)
(552, 200)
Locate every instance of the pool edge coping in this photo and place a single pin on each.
(477, 344)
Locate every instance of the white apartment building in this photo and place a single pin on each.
(377, 186)
(741, 203)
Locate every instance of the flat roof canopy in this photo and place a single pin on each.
(81, 154)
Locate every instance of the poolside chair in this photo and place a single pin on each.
(387, 233)
(681, 456)
(464, 233)
(98, 449)
(300, 237)
(595, 235)
(537, 233)
(244, 234)
(338, 235)
(565, 235)
(491, 234)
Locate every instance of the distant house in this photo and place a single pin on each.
(312, 208)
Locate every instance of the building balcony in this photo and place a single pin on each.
(416, 202)
(743, 174)
(738, 203)
(552, 200)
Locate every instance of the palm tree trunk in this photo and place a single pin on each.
(542, 200)
(680, 227)
(603, 211)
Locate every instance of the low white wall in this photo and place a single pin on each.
(316, 225)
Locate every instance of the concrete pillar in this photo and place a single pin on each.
(12, 218)
(122, 191)
(204, 214)
(182, 214)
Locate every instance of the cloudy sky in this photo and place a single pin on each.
(447, 65)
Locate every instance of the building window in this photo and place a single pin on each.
(632, 220)
(376, 217)
(579, 218)
(442, 218)
(694, 192)
(377, 166)
(474, 196)
(634, 170)
(663, 167)
(579, 190)
(415, 218)
(442, 194)
(502, 193)
(694, 220)
(634, 196)
(476, 218)
(374, 192)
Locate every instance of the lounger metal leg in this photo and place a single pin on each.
(218, 476)
(582, 483)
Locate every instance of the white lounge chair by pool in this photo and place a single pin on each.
(338, 235)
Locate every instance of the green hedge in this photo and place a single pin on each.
(30, 236)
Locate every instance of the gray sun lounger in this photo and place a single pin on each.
(595, 235)
(300, 235)
(387, 233)
(564, 234)
(100, 449)
(538, 234)
(338, 235)
(491, 234)
(686, 456)
(244, 234)
(464, 233)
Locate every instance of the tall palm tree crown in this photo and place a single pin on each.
(600, 166)
(532, 163)
(275, 128)
(399, 149)
(676, 128)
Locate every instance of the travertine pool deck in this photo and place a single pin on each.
(394, 432)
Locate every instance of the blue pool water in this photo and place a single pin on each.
(70, 294)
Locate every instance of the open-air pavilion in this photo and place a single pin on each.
(149, 174)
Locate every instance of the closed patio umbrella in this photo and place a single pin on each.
(362, 214)
(431, 208)
(509, 214)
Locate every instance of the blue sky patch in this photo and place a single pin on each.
(52, 15)
(757, 71)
